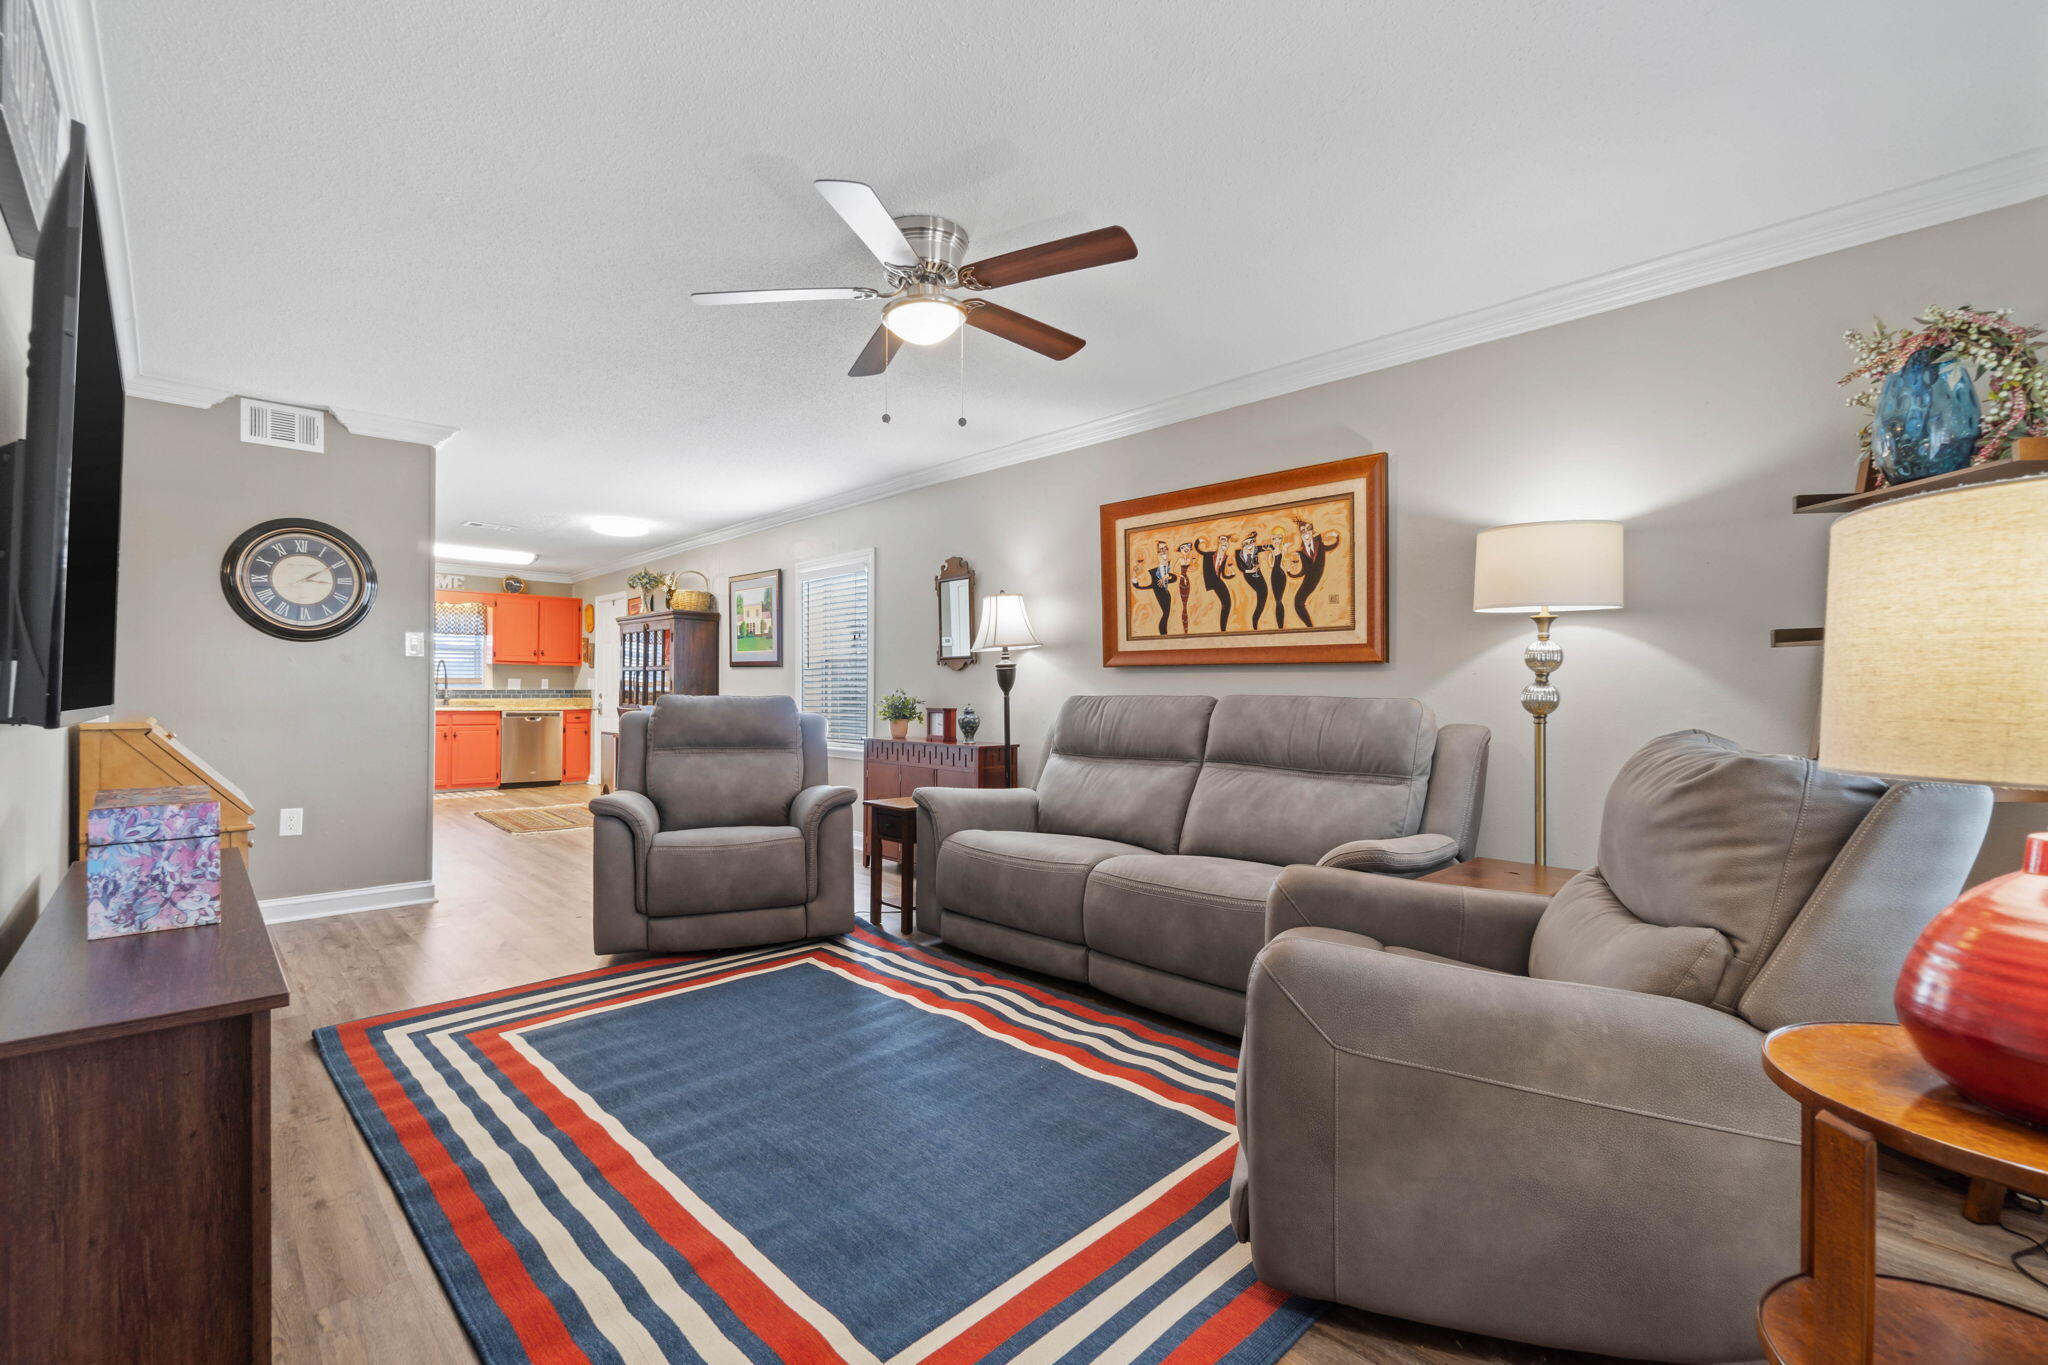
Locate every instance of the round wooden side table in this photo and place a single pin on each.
(1860, 1086)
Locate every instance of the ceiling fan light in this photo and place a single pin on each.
(923, 320)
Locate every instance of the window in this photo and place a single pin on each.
(835, 670)
(459, 642)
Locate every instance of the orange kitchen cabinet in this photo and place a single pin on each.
(515, 628)
(466, 752)
(575, 744)
(559, 639)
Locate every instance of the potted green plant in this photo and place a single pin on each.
(899, 708)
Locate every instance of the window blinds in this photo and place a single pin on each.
(835, 652)
(459, 641)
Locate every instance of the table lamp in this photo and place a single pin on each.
(1935, 665)
(1005, 626)
(1539, 569)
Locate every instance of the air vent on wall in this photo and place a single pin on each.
(274, 424)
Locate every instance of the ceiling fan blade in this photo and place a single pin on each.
(882, 347)
(1029, 333)
(782, 295)
(862, 209)
(1103, 246)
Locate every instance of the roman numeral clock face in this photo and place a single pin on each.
(298, 579)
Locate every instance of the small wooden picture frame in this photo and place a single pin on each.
(942, 724)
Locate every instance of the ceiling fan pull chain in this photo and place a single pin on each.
(962, 334)
(885, 374)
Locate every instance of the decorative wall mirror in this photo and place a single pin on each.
(955, 585)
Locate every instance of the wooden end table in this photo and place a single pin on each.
(1858, 1086)
(892, 819)
(1499, 874)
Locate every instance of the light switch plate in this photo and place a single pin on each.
(415, 644)
(291, 820)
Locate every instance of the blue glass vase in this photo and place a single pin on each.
(1927, 418)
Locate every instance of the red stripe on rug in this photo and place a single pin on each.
(665, 988)
(1060, 1002)
(1225, 1332)
(532, 1315)
(531, 987)
(1080, 1270)
(1147, 1080)
(760, 1308)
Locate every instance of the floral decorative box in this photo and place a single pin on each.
(152, 860)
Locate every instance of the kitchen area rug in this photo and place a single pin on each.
(538, 819)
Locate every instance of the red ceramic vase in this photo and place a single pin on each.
(1974, 992)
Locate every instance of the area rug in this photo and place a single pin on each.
(538, 819)
(852, 1150)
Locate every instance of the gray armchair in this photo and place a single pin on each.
(1547, 1120)
(723, 832)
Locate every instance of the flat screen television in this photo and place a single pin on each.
(60, 485)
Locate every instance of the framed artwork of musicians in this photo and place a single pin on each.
(1288, 567)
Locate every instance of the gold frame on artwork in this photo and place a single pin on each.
(1288, 567)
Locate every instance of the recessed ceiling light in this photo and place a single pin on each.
(479, 554)
(620, 526)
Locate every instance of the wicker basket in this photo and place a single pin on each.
(692, 599)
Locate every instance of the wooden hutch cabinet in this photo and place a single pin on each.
(665, 652)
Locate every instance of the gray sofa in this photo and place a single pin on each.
(1548, 1120)
(1142, 860)
(723, 832)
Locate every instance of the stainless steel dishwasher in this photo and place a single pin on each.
(530, 747)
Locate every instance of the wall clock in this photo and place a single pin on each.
(298, 579)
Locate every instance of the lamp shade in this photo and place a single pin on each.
(1935, 661)
(1548, 566)
(1004, 624)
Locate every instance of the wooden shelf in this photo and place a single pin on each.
(1998, 471)
(1789, 636)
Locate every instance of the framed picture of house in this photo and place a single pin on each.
(754, 608)
(1288, 567)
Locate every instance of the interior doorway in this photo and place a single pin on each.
(604, 683)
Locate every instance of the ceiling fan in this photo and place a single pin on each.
(921, 256)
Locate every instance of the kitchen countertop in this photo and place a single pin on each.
(461, 703)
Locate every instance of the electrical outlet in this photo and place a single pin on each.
(415, 644)
(291, 820)
(512, 685)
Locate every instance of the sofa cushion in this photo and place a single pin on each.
(729, 867)
(1122, 767)
(724, 761)
(1202, 918)
(1023, 880)
(1699, 832)
(1287, 779)
(1587, 935)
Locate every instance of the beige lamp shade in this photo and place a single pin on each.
(1004, 624)
(1552, 566)
(1935, 661)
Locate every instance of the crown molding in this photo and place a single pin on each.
(393, 428)
(1978, 189)
(182, 392)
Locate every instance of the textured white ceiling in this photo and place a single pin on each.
(489, 214)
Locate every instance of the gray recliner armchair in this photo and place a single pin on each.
(1548, 1120)
(723, 832)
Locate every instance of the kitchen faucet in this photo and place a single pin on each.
(441, 674)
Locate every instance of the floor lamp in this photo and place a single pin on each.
(1005, 626)
(1539, 569)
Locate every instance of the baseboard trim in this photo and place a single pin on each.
(321, 904)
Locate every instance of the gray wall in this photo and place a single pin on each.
(35, 779)
(1693, 419)
(339, 727)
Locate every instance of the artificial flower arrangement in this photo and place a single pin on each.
(2001, 353)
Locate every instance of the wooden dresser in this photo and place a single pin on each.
(135, 1137)
(898, 767)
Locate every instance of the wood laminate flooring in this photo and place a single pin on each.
(352, 1285)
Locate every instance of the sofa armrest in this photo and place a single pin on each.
(1483, 928)
(807, 812)
(1420, 1138)
(632, 812)
(1406, 857)
(943, 812)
